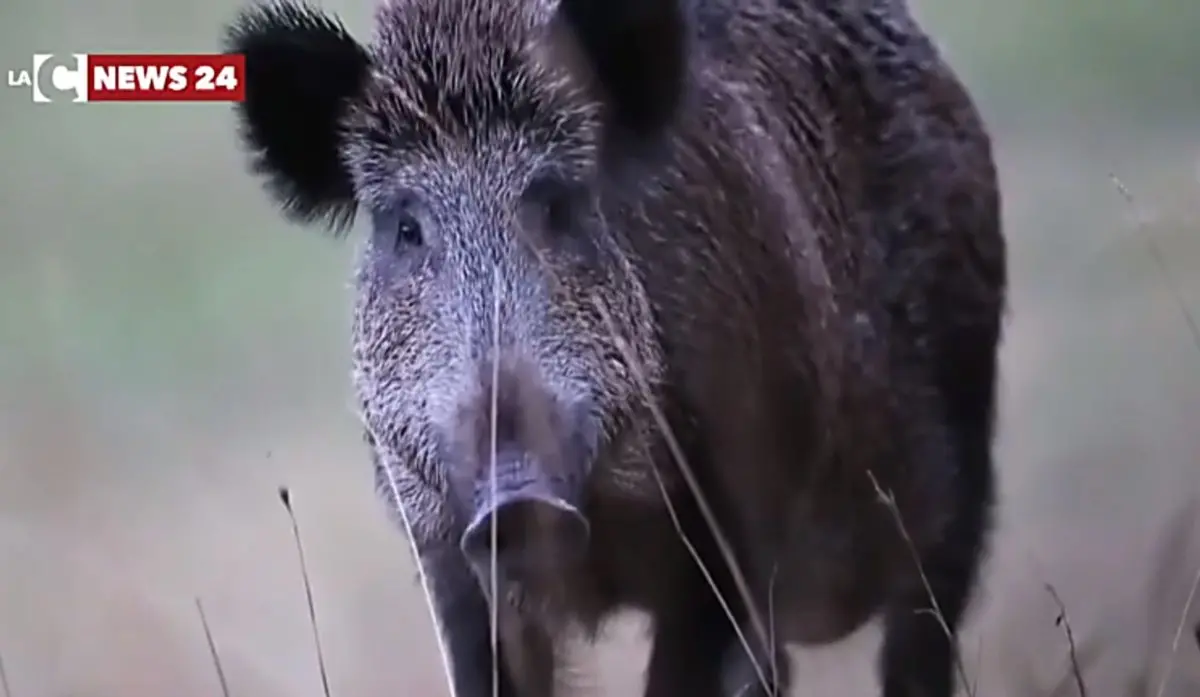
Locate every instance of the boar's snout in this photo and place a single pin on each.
(529, 450)
(531, 518)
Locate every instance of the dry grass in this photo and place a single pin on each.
(285, 498)
(212, 648)
(1072, 651)
(1181, 626)
(1159, 260)
(4, 678)
(719, 536)
(1076, 668)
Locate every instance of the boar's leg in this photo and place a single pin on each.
(462, 611)
(528, 660)
(529, 655)
(742, 677)
(694, 637)
(693, 642)
(918, 659)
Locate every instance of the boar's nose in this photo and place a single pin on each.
(530, 522)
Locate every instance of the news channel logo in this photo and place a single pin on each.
(54, 77)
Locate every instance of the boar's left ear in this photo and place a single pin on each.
(302, 68)
(637, 50)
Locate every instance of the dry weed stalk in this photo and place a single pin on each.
(439, 635)
(1072, 654)
(494, 530)
(4, 679)
(1183, 618)
(212, 649)
(706, 512)
(1159, 260)
(286, 498)
(672, 443)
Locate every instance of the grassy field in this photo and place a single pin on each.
(170, 353)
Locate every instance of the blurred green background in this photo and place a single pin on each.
(170, 352)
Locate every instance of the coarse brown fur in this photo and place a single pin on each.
(777, 221)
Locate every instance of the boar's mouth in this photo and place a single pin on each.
(523, 519)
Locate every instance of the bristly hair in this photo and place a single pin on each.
(457, 68)
(463, 68)
(469, 65)
(302, 68)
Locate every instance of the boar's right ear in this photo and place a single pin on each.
(637, 50)
(302, 68)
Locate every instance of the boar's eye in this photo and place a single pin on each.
(398, 227)
(408, 230)
(555, 200)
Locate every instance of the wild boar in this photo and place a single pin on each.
(687, 307)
